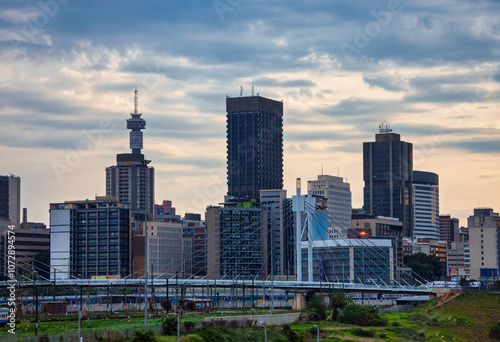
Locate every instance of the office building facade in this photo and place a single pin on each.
(484, 242)
(388, 177)
(338, 197)
(254, 146)
(10, 200)
(90, 238)
(351, 261)
(449, 228)
(237, 241)
(426, 205)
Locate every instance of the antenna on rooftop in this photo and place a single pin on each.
(384, 127)
(252, 90)
(241, 91)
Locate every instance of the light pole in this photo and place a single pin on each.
(35, 277)
(145, 269)
(265, 330)
(317, 333)
(178, 327)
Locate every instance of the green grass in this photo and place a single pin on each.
(65, 326)
(465, 318)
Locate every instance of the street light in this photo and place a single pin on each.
(317, 333)
(178, 326)
(265, 330)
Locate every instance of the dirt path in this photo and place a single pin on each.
(444, 299)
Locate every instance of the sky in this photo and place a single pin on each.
(68, 69)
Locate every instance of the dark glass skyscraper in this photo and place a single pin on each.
(254, 145)
(388, 177)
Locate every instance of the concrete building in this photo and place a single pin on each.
(28, 243)
(90, 238)
(484, 241)
(357, 261)
(458, 259)
(449, 228)
(426, 205)
(195, 230)
(254, 146)
(164, 208)
(237, 241)
(388, 177)
(10, 200)
(166, 247)
(338, 196)
(131, 180)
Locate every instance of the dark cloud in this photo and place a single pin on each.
(270, 82)
(385, 82)
(477, 146)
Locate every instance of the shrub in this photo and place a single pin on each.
(169, 325)
(361, 315)
(395, 324)
(362, 332)
(189, 326)
(495, 331)
(291, 334)
(144, 336)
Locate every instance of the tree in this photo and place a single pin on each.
(426, 266)
(338, 301)
(42, 262)
(166, 304)
(317, 307)
(361, 315)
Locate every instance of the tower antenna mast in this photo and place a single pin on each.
(136, 101)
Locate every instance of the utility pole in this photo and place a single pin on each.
(35, 276)
(145, 266)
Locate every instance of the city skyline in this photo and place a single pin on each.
(69, 70)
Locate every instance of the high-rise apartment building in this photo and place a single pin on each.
(484, 242)
(338, 197)
(10, 200)
(254, 146)
(449, 228)
(273, 202)
(131, 180)
(388, 177)
(237, 241)
(426, 205)
(90, 238)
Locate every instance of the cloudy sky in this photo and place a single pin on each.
(68, 70)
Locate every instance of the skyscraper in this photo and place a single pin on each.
(254, 146)
(426, 204)
(10, 200)
(338, 196)
(388, 177)
(132, 180)
(449, 228)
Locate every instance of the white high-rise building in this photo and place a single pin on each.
(426, 205)
(338, 197)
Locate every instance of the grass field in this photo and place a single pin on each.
(466, 318)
